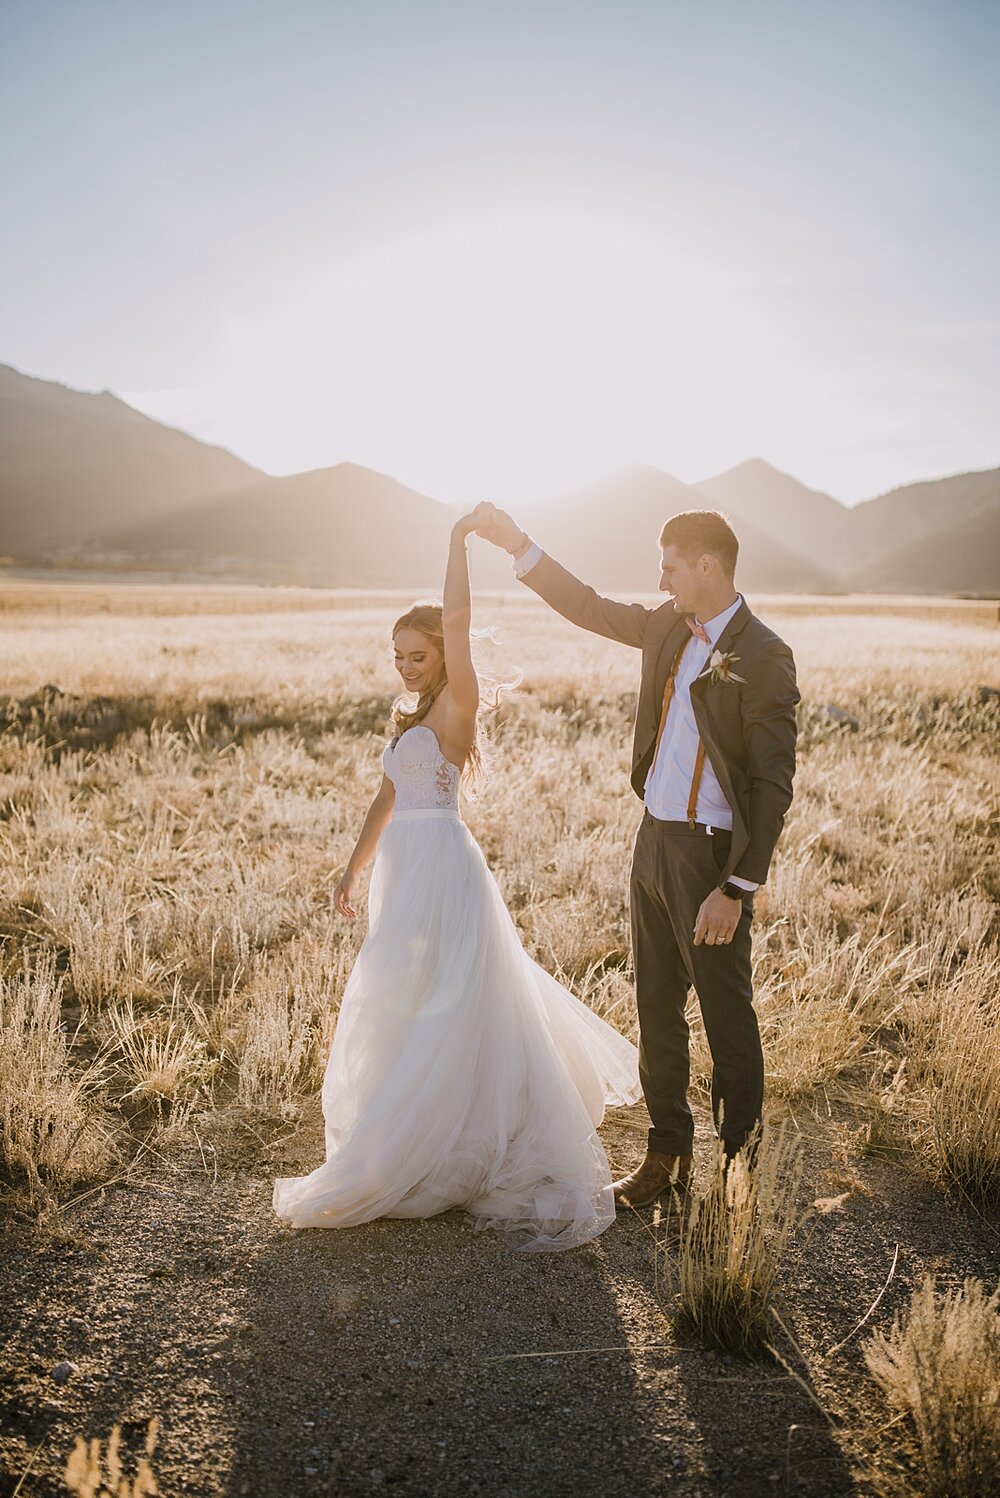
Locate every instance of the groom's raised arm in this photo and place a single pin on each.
(624, 622)
(578, 602)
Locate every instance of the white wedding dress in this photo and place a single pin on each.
(461, 1073)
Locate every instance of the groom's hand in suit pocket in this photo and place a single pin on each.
(717, 920)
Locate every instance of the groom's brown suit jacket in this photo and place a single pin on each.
(748, 729)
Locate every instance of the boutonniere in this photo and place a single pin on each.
(720, 667)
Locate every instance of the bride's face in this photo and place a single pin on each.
(418, 660)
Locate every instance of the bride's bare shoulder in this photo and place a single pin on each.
(455, 727)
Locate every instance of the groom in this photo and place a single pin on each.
(713, 758)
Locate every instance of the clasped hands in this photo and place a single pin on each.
(492, 525)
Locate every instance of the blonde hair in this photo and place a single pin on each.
(427, 618)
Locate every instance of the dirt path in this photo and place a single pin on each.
(404, 1356)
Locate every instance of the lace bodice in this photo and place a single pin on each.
(423, 778)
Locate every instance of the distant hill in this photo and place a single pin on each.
(609, 531)
(342, 527)
(909, 540)
(805, 521)
(74, 465)
(348, 526)
(920, 533)
(355, 527)
(961, 558)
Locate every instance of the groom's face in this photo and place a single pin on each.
(683, 580)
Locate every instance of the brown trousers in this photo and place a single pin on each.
(673, 868)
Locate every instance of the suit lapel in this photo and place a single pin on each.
(676, 630)
(732, 629)
(741, 618)
(712, 747)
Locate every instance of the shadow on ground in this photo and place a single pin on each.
(424, 1358)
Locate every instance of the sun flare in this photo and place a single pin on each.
(511, 351)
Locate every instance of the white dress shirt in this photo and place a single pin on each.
(531, 558)
(668, 784)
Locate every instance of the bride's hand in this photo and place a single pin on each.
(464, 527)
(499, 527)
(342, 898)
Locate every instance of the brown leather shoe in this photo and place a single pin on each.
(656, 1174)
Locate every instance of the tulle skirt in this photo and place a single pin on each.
(461, 1073)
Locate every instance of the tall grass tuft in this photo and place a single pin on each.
(53, 1131)
(85, 1473)
(731, 1245)
(951, 1092)
(939, 1367)
(161, 1055)
(289, 1008)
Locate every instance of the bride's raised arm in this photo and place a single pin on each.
(457, 621)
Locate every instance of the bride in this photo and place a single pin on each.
(461, 1074)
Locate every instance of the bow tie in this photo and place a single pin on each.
(698, 630)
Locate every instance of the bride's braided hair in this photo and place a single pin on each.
(427, 617)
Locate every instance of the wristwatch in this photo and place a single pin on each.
(734, 891)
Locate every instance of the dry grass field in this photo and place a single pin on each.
(182, 776)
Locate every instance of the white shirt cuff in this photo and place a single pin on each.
(531, 558)
(743, 883)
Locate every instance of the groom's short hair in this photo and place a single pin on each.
(695, 532)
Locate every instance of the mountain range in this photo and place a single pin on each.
(87, 480)
(74, 466)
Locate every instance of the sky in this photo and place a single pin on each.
(499, 250)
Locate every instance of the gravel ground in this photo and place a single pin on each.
(427, 1359)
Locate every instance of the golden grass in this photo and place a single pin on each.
(54, 1130)
(939, 1367)
(93, 1473)
(160, 1056)
(73, 594)
(947, 1087)
(173, 820)
(732, 1239)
